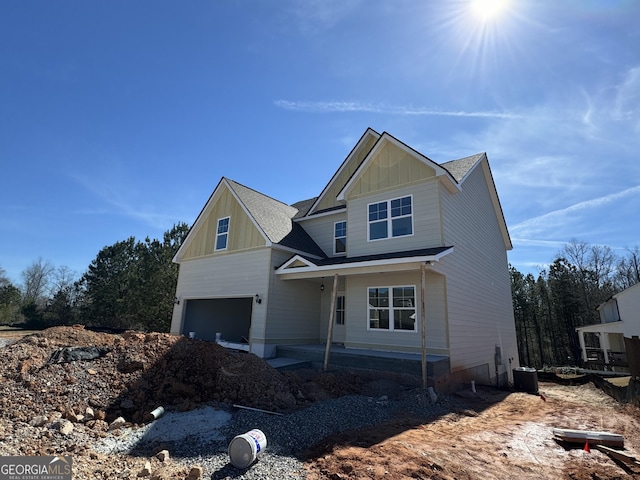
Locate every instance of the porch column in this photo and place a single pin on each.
(332, 314)
(423, 323)
(604, 345)
(583, 348)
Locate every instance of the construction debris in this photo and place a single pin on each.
(588, 436)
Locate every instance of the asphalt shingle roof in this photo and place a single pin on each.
(459, 168)
(275, 219)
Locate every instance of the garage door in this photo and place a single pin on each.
(231, 317)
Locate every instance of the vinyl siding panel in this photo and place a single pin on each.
(321, 229)
(478, 288)
(427, 231)
(234, 275)
(293, 311)
(243, 234)
(356, 323)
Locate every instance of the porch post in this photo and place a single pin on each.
(604, 345)
(423, 324)
(583, 348)
(332, 314)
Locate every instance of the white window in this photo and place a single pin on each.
(340, 238)
(222, 234)
(392, 308)
(340, 309)
(391, 218)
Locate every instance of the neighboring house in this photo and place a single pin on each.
(602, 344)
(392, 232)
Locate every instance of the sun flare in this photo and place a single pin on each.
(488, 9)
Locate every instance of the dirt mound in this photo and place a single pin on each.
(135, 373)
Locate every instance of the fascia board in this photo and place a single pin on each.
(385, 263)
(213, 198)
(277, 246)
(368, 132)
(495, 200)
(177, 258)
(441, 173)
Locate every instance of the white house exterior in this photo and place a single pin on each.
(603, 343)
(411, 254)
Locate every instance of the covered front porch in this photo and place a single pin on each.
(389, 298)
(603, 347)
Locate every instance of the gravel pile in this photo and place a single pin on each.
(201, 437)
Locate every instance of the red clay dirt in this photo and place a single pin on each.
(494, 435)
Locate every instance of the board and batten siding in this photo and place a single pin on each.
(478, 286)
(329, 196)
(225, 276)
(321, 229)
(427, 230)
(391, 167)
(293, 312)
(356, 317)
(243, 234)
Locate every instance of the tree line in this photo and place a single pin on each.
(129, 285)
(550, 306)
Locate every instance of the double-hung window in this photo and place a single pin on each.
(392, 308)
(340, 238)
(222, 234)
(391, 218)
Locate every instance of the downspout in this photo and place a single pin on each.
(332, 314)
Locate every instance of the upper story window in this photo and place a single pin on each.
(340, 237)
(222, 234)
(391, 218)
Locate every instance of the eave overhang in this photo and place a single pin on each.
(300, 267)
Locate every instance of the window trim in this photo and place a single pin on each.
(391, 309)
(343, 309)
(219, 235)
(389, 219)
(335, 238)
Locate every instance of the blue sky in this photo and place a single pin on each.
(118, 118)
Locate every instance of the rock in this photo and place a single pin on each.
(89, 413)
(195, 473)
(146, 470)
(38, 421)
(163, 455)
(117, 423)
(127, 404)
(65, 427)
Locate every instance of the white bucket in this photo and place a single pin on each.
(244, 449)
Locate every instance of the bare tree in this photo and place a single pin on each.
(37, 281)
(4, 280)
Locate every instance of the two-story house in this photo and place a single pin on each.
(396, 254)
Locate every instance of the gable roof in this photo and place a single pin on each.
(368, 135)
(271, 217)
(459, 169)
(385, 138)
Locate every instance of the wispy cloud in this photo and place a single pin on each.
(346, 107)
(121, 202)
(553, 219)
